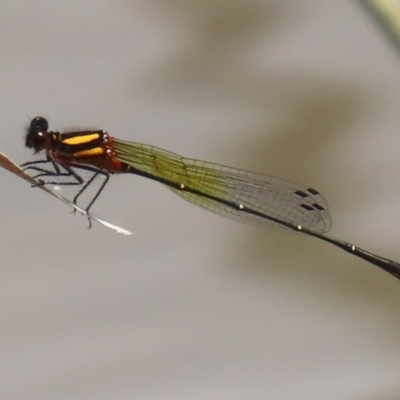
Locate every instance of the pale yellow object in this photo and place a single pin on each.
(389, 11)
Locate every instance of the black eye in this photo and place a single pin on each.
(39, 124)
(37, 137)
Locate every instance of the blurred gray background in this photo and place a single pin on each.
(194, 306)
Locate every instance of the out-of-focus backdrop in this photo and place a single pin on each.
(194, 306)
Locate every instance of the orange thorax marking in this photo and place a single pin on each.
(77, 140)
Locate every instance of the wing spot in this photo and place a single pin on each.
(318, 207)
(300, 193)
(312, 191)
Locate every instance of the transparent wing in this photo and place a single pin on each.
(289, 202)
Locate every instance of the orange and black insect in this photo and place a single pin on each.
(233, 193)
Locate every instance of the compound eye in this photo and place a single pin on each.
(39, 124)
(37, 137)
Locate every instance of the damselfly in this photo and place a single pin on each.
(233, 193)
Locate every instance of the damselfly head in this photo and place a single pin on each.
(37, 137)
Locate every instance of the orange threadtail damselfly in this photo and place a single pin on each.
(230, 192)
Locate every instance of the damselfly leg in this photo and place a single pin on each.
(59, 173)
